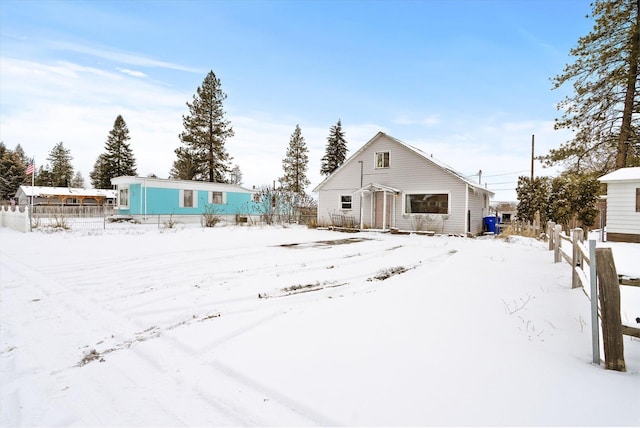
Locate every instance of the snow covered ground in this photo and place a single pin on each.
(265, 326)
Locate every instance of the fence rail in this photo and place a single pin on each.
(594, 270)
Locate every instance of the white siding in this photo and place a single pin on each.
(408, 171)
(621, 208)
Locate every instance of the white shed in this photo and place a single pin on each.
(623, 204)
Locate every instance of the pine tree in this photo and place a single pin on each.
(12, 172)
(78, 181)
(44, 177)
(532, 198)
(118, 155)
(205, 134)
(117, 160)
(295, 164)
(185, 166)
(61, 168)
(336, 150)
(236, 175)
(100, 176)
(604, 107)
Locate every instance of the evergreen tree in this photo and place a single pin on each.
(532, 198)
(118, 155)
(573, 196)
(44, 177)
(100, 176)
(61, 168)
(236, 175)
(78, 181)
(12, 173)
(336, 150)
(19, 151)
(604, 109)
(117, 160)
(205, 134)
(295, 164)
(185, 167)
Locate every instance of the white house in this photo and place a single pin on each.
(388, 184)
(43, 195)
(623, 204)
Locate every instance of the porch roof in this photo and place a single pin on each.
(375, 187)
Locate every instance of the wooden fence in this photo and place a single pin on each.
(594, 270)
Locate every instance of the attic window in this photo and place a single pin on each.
(382, 159)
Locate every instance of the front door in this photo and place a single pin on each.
(379, 207)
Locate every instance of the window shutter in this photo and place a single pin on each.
(195, 198)
(224, 197)
(210, 197)
(181, 199)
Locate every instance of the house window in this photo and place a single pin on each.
(426, 203)
(123, 197)
(382, 160)
(345, 202)
(187, 199)
(217, 198)
(638, 200)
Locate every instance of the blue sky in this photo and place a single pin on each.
(467, 81)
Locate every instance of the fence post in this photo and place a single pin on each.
(609, 294)
(557, 242)
(576, 238)
(593, 287)
(551, 226)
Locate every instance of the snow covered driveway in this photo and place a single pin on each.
(239, 326)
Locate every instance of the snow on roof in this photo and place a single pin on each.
(419, 152)
(66, 191)
(622, 174)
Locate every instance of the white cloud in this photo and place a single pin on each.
(133, 73)
(45, 103)
(117, 55)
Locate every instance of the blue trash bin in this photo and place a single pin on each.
(490, 224)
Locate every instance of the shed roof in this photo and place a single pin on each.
(622, 174)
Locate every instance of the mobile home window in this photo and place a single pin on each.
(427, 203)
(382, 160)
(123, 197)
(188, 199)
(345, 202)
(638, 200)
(217, 198)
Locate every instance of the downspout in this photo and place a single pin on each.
(467, 218)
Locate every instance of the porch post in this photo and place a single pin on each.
(384, 210)
(361, 209)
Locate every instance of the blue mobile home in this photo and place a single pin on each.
(145, 199)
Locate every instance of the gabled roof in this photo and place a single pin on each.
(418, 152)
(66, 191)
(622, 174)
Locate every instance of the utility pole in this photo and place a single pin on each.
(532, 144)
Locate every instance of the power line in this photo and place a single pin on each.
(506, 173)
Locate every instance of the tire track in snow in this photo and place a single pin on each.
(152, 366)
